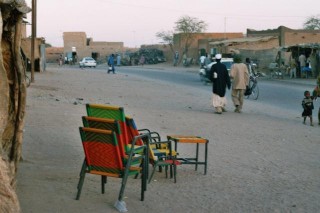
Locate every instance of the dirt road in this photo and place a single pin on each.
(257, 163)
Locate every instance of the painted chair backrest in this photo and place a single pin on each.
(132, 130)
(106, 124)
(110, 112)
(101, 151)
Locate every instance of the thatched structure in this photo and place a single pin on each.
(13, 99)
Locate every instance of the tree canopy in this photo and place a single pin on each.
(312, 23)
(185, 25)
(166, 37)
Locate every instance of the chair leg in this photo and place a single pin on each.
(141, 165)
(152, 173)
(81, 179)
(103, 182)
(175, 173)
(143, 180)
(197, 155)
(124, 179)
(145, 170)
(83, 168)
(166, 168)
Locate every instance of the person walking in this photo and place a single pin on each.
(111, 64)
(240, 75)
(220, 77)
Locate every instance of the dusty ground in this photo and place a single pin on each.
(257, 162)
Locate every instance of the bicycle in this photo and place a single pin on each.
(253, 84)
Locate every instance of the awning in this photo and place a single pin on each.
(303, 45)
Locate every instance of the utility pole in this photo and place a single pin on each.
(33, 36)
(225, 27)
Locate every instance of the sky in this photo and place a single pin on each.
(136, 22)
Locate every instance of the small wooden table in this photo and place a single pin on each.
(195, 140)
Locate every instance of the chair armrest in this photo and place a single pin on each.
(154, 135)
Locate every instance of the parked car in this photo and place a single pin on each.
(88, 62)
(204, 70)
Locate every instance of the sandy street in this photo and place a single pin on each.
(257, 162)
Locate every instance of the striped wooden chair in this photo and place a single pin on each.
(113, 125)
(102, 157)
(116, 113)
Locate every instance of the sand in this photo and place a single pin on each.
(258, 161)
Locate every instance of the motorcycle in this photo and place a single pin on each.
(203, 74)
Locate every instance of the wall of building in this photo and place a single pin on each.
(293, 38)
(286, 37)
(53, 54)
(200, 41)
(86, 46)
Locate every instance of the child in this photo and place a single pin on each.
(307, 104)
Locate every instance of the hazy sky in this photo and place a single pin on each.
(136, 22)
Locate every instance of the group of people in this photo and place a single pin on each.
(301, 62)
(240, 74)
(222, 80)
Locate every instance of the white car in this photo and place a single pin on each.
(88, 62)
(205, 69)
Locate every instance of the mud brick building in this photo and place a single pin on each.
(83, 46)
(265, 46)
(200, 43)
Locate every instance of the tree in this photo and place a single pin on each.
(312, 23)
(13, 100)
(167, 38)
(187, 26)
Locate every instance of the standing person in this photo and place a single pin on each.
(302, 60)
(176, 58)
(220, 77)
(307, 105)
(184, 60)
(142, 60)
(316, 94)
(201, 60)
(313, 62)
(240, 75)
(293, 68)
(118, 60)
(111, 64)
